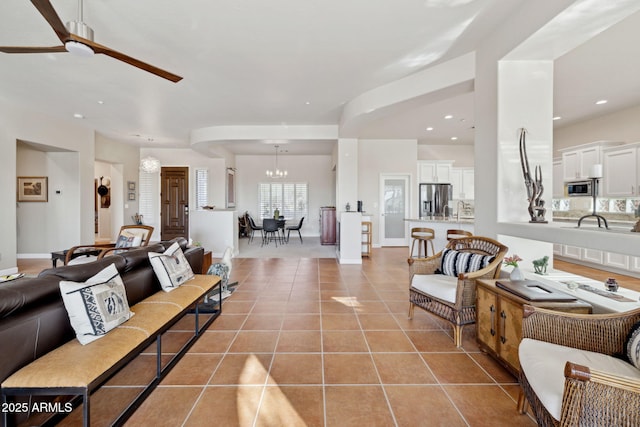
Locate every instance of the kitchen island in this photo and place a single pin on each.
(440, 227)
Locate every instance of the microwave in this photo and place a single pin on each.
(579, 188)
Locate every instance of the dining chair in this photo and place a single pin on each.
(271, 231)
(295, 228)
(253, 227)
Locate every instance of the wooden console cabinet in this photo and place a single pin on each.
(499, 321)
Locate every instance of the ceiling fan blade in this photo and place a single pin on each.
(98, 48)
(44, 49)
(49, 13)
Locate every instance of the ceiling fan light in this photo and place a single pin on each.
(78, 49)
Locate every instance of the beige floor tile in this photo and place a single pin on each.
(357, 406)
(291, 406)
(354, 368)
(344, 341)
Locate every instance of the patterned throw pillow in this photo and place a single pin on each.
(171, 267)
(632, 345)
(455, 262)
(128, 240)
(96, 306)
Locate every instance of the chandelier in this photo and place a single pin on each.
(277, 173)
(150, 165)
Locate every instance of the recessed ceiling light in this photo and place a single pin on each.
(448, 116)
(308, 103)
(429, 128)
(602, 101)
(557, 118)
(100, 102)
(454, 138)
(78, 116)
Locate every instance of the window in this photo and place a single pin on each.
(290, 198)
(202, 178)
(149, 199)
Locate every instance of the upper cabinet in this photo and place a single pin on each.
(558, 181)
(620, 166)
(430, 171)
(462, 182)
(577, 161)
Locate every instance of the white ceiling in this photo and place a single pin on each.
(291, 62)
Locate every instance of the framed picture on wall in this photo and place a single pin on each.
(231, 188)
(33, 189)
(131, 185)
(132, 196)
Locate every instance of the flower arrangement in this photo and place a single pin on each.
(512, 260)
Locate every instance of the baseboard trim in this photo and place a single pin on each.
(34, 256)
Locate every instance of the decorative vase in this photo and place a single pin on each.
(516, 274)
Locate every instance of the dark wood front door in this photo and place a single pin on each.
(174, 197)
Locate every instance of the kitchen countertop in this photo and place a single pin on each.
(462, 220)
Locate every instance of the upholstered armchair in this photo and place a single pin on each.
(130, 236)
(573, 370)
(445, 284)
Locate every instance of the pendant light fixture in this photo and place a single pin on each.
(277, 173)
(150, 164)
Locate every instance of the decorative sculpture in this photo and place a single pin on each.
(534, 186)
(540, 265)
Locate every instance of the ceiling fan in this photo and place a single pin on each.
(77, 38)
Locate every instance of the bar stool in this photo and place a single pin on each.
(422, 236)
(455, 234)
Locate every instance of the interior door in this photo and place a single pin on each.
(394, 208)
(174, 202)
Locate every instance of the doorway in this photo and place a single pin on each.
(394, 208)
(174, 202)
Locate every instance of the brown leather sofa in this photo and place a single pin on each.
(33, 320)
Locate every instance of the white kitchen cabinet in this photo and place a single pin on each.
(572, 252)
(435, 171)
(592, 255)
(616, 260)
(462, 182)
(558, 181)
(577, 161)
(620, 170)
(557, 249)
(634, 263)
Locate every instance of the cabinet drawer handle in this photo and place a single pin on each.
(503, 339)
(493, 312)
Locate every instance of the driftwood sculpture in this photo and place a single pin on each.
(534, 186)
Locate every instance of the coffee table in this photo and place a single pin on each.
(61, 255)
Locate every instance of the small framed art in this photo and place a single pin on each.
(33, 189)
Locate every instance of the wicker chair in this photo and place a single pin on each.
(460, 308)
(130, 236)
(590, 396)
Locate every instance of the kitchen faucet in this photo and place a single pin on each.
(460, 202)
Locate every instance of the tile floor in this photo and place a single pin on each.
(309, 342)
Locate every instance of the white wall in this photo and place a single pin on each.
(461, 154)
(74, 220)
(623, 125)
(314, 170)
(376, 156)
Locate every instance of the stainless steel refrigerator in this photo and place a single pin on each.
(434, 200)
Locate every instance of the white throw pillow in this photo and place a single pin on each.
(632, 345)
(171, 267)
(456, 262)
(97, 305)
